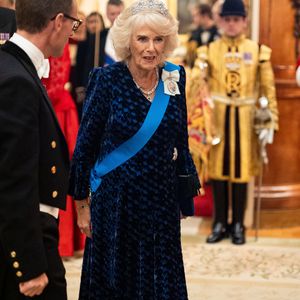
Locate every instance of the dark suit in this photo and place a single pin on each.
(196, 35)
(85, 60)
(7, 23)
(33, 169)
(85, 56)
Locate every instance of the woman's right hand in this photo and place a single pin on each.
(84, 216)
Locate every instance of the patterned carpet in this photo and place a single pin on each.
(265, 270)
(268, 269)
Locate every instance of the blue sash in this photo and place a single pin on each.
(134, 144)
(108, 60)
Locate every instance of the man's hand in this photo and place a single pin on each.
(34, 287)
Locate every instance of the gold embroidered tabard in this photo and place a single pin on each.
(236, 72)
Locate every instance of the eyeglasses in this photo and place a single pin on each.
(76, 22)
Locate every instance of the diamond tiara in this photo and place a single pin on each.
(149, 5)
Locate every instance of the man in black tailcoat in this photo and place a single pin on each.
(33, 154)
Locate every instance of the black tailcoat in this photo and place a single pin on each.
(33, 165)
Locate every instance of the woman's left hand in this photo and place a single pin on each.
(84, 216)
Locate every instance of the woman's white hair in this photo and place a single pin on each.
(129, 21)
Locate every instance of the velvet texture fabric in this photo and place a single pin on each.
(135, 250)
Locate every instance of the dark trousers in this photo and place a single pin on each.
(56, 288)
(221, 196)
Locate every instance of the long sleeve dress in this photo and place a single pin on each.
(135, 250)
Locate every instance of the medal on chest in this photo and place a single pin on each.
(170, 80)
(171, 85)
(233, 60)
(4, 37)
(248, 58)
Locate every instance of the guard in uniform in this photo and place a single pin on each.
(237, 71)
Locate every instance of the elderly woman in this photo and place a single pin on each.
(132, 153)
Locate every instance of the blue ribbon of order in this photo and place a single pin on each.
(134, 144)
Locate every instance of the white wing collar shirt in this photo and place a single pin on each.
(43, 69)
(35, 54)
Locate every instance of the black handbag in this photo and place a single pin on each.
(188, 186)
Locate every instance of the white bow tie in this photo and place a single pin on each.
(44, 70)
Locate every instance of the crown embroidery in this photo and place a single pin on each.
(149, 5)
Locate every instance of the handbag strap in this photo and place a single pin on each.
(134, 144)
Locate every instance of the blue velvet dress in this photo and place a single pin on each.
(135, 250)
